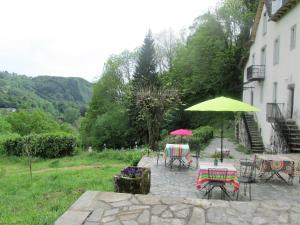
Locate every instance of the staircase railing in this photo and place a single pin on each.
(247, 129)
(279, 124)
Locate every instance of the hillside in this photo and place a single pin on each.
(51, 94)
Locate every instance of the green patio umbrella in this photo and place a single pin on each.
(223, 104)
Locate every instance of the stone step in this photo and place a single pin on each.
(293, 131)
(294, 144)
(291, 122)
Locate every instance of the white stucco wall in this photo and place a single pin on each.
(285, 73)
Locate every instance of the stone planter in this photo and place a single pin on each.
(138, 183)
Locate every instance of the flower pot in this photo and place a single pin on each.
(136, 181)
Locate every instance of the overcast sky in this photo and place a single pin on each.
(75, 37)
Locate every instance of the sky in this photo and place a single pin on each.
(75, 37)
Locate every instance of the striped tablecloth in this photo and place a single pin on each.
(232, 175)
(181, 151)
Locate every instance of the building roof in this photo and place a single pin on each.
(287, 5)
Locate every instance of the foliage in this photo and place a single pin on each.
(243, 149)
(44, 93)
(43, 145)
(4, 138)
(53, 190)
(130, 157)
(28, 122)
(217, 155)
(132, 172)
(5, 127)
(106, 121)
(201, 137)
(200, 66)
(145, 76)
(204, 133)
(154, 104)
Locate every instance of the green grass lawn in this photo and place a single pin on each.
(56, 184)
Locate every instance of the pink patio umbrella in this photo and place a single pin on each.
(182, 132)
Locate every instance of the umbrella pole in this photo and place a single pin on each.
(222, 137)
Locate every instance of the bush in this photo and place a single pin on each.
(43, 145)
(204, 134)
(4, 138)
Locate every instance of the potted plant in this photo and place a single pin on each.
(135, 180)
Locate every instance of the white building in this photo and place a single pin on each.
(272, 73)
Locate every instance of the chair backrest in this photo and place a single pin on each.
(247, 168)
(217, 174)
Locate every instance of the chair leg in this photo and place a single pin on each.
(250, 192)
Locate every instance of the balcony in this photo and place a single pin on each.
(256, 73)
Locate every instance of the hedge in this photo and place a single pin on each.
(204, 133)
(42, 145)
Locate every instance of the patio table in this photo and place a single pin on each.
(231, 178)
(180, 152)
(274, 165)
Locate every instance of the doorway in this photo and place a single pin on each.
(291, 99)
(252, 96)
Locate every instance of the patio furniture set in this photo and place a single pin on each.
(211, 176)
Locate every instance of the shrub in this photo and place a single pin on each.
(4, 138)
(43, 145)
(204, 133)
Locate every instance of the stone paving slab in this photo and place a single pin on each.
(108, 208)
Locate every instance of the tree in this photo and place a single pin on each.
(154, 104)
(166, 46)
(71, 115)
(28, 122)
(145, 72)
(106, 121)
(5, 126)
(145, 76)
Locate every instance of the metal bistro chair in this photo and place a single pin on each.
(298, 170)
(217, 177)
(247, 175)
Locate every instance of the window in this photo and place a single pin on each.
(253, 59)
(265, 22)
(276, 51)
(293, 37)
(263, 56)
(275, 85)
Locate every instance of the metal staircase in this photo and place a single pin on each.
(286, 129)
(254, 137)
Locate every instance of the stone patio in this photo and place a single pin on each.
(107, 208)
(174, 200)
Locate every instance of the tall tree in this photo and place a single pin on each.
(145, 76)
(145, 72)
(166, 46)
(106, 121)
